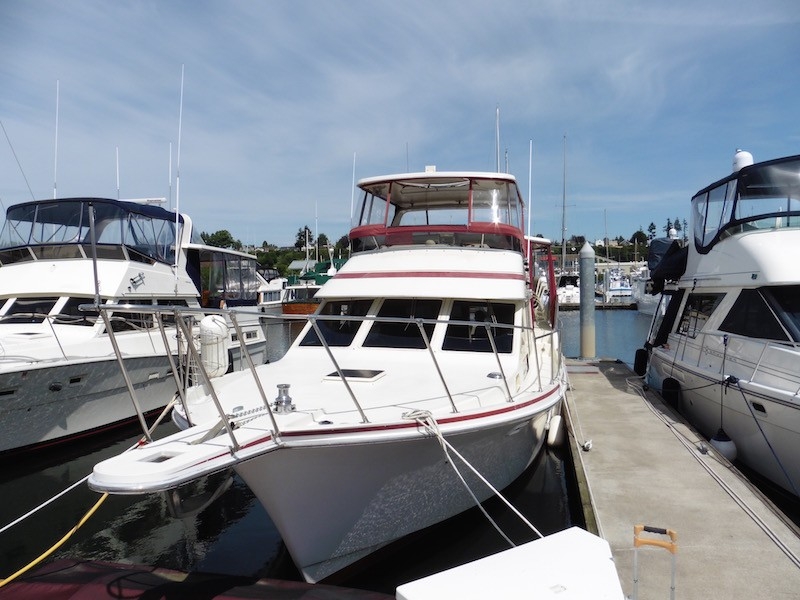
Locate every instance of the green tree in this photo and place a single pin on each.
(221, 239)
(639, 238)
(651, 231)
(304, 236)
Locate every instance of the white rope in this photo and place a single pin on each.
(426, 419)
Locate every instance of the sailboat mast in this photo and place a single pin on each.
(564, 211)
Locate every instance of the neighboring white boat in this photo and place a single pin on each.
(59, 376)
(568, 291)
(726, 351)
(616, 286)
(642, 281)
(641, 287)
(270, 294)
(429, 349)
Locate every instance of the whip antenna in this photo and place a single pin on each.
(55, 159)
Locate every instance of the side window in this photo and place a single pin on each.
(70, 313)
(751, 317)
(402, 334)
(339, 332)
(468, 328)
(29, 310)
(696, 313)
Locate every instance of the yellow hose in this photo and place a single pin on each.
(58, 544)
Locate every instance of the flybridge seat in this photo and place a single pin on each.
(481, 210)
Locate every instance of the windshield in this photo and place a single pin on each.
(149, 230)
(763, 196)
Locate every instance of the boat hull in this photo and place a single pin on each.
(335, 504)
(762, 421)
(44, 406)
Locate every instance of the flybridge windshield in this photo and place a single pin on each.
(458, 201)
(445, 209)
(761, 196)
(148, 230)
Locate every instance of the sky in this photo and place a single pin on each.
(255, 116)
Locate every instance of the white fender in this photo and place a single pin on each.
(214, 345)
(555, 433)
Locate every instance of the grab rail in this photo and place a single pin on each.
(184, 318)
(748, 369)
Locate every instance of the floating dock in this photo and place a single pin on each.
(639, 463)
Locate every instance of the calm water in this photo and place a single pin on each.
(233, 535)
(618, 333)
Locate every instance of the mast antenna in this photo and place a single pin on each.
(530, 183)
(497, 137)
(55, 159)
(178, 183)
(117, 172)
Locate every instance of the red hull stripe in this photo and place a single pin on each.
(454, 274)
(456, 418)
(393, 426)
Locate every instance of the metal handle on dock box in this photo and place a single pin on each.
(672, 545)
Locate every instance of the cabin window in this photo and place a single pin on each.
(696, 313)
(405, 333)
(72, 315)
(29, 310)
(133, 321)
(467, 329)
(496, 202)
(227, 280)
(338, 332)
(751, 317)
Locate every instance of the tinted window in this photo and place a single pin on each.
(696, 312)
(29, 310)
(468, 332)
(752, 317)
(403, 334)
(338, 332)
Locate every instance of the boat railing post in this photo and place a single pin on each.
(125, 375)
(760, 358)
(55, 335)
(490, 335)
(324, 342)
(252, 368)
(195, 355)
(537, 358)
(424, 334)
(172, 364)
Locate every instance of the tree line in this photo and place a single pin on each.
(270, 256)
(633, 248)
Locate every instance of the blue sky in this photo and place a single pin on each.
(280, 96)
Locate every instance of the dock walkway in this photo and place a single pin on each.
(647, 466)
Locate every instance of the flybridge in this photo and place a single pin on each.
(433, 208)
(58, 228)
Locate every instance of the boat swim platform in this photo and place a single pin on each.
(638, 462)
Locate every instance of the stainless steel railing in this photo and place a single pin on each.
(183, 320)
